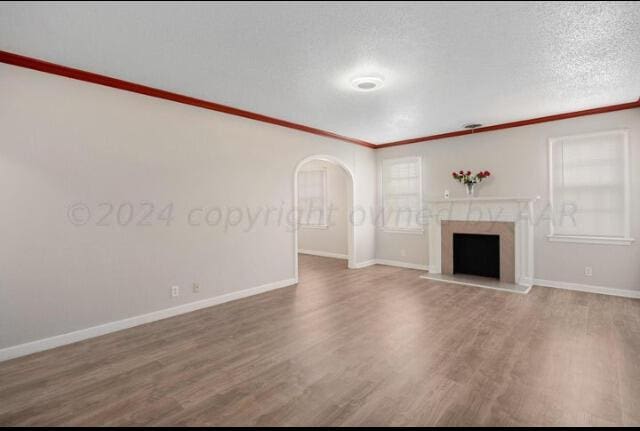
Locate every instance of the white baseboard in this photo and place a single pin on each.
(433, 269)
(324, 254)
(526, 281)
(95, 331)
(358, 265)
(587, 288)
(402, 264)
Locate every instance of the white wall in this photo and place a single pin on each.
(333, 239)
(518, 160)
(66, 143)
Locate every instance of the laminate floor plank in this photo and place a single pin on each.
(374, 346)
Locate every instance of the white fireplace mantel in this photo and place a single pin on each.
(518, 210)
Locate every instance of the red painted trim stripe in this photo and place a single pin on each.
(69, 72)
(548, 118)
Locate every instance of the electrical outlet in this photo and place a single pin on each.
(175, 291)
(446, 194)
(196, 288)
(588, 271)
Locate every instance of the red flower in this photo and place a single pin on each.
(468, 173)
(461, 172)
(487, 173)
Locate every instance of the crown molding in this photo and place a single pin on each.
(82, 75)
(95, 78)
(521, 123)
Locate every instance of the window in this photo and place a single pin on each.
(590, 188)
(312, 198)
(402, 194)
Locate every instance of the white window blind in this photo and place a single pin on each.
(401, 193)
(590, 186)
(312, 197)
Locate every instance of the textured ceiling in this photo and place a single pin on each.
(444, 64)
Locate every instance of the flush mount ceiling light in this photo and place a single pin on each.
(367, 83)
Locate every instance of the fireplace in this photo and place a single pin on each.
(473, 220)
(476, 254)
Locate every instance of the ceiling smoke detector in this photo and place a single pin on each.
(367, 83)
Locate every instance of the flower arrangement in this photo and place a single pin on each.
(470, 180)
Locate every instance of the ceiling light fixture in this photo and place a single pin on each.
(367, 83)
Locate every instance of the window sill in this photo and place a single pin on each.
(404, 231)
(590, 239)
(314, 226)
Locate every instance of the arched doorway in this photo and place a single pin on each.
(350, 205)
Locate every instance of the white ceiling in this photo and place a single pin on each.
(444, 64)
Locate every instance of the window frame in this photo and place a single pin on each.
(626, 239)
(419, 230)
(325, 197)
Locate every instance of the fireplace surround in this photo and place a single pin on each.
(508, 218)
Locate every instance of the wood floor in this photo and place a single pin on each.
(375, 346)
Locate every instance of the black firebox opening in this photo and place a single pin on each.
(476, 254)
